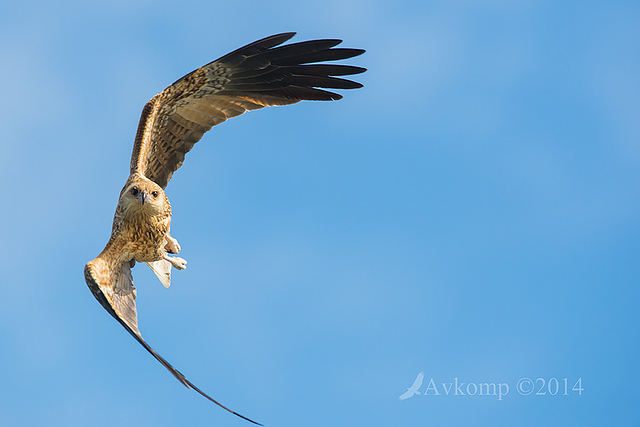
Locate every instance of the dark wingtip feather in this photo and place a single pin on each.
(297, 70)
(256, 47)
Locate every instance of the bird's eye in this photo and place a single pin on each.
(135, 191)
(154, 193)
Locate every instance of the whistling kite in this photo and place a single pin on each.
(258, 75)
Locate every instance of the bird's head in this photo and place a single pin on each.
(143, 194)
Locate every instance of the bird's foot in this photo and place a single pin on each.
(172, 246)
(176, 262)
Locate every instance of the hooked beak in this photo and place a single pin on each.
(142, 195)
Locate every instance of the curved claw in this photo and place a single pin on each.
(176, 262)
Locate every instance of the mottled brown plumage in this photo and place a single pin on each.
(254, 76)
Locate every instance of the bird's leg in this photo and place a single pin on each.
(172, 245)
(176, 261)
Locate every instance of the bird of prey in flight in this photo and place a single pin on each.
(417, 383)
(263, 73)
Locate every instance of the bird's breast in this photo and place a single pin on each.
(143, 236)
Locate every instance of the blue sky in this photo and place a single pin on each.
(472, 213)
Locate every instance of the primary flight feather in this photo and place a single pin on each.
(263, 73)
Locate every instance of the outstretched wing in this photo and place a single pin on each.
(118, 297)
(407, 394)
(257, 75)
(115, 292)
(418, 382)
